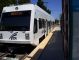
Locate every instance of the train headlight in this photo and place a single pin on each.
(27, 36)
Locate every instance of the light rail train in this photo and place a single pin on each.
(24, 24)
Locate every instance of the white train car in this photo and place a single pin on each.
(24, 24)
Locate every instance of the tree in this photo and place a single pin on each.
(48, 11)
(24, 1)
(4, 3)
(45, 8)
(40, 3)
(7, 2)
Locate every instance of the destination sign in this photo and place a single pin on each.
(16, 13)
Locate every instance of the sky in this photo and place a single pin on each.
(54, 5)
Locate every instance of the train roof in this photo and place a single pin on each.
(24, 7)
(18, 8)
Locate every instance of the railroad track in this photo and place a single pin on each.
(24, 56)
(9, 54)
(2, 55)
(6, 56)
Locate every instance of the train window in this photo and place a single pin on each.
(35, 26)
(43, 23)
(17, 21)
(40, 23)
(49, 24)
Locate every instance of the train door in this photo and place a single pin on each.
(46, 28)
(36, 35)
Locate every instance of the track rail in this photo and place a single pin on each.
(2, 55)
(23, 57)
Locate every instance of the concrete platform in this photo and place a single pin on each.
(45, 50)
(54, 48)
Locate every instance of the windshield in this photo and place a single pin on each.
(17, 21)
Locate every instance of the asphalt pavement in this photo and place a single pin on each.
(54, 48)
